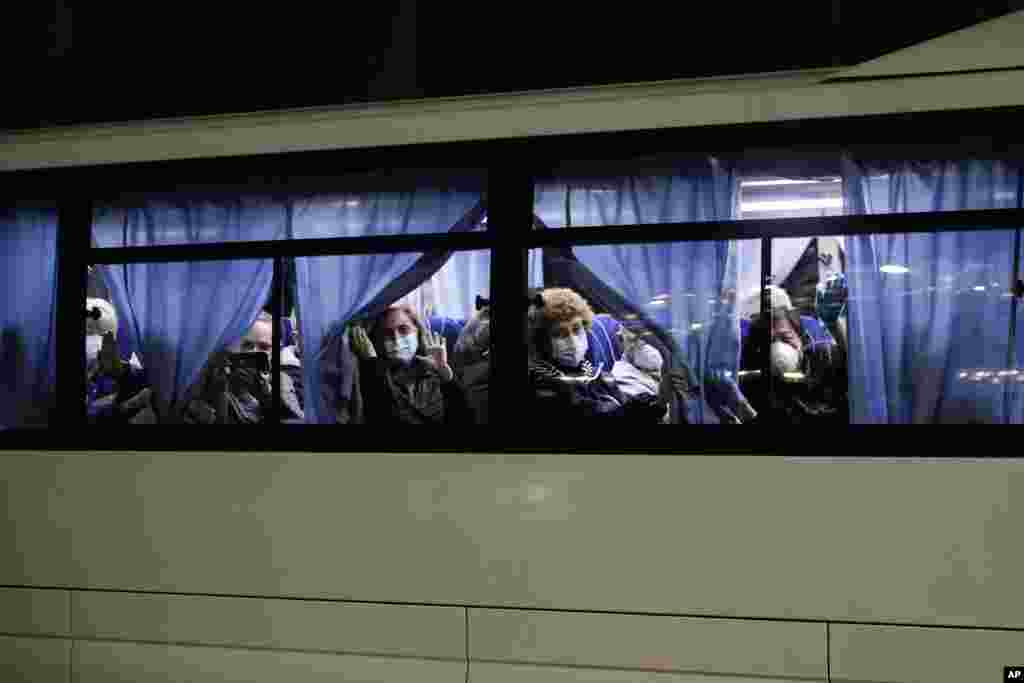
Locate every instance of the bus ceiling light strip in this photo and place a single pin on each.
(793, 204)
(894, 269)
(788, 181)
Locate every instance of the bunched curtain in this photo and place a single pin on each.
(333, 289)
(177, 314)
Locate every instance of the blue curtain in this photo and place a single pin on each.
(177, 314)
(689, 192)
(28, 272)
(330, 290)
(687, 287)
(194, 218)
(925, 308)
(422, 211)
(190, 220)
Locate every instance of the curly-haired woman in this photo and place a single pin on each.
(566, 385)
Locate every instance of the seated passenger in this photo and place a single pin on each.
(235, 385)
(471, 360)
(806, 378)
(110, 381)
(566, 386)
(411, 382)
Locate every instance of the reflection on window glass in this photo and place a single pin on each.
(185, 343)
(28, 274)
(396, 338)
(643, 332)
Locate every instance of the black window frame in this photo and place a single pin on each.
(512, 166)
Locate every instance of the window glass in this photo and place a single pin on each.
(395, 338)
(648, 332)
(929, 316)
(876, 329)
(887, 329)
(359, 207)
(709, 189)
(699, 190)
(793, 366)
(28, 273)
(920, 186)
(184, 342)
(795, 197)
(693, 191)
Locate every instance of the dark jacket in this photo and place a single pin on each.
(557, 401)
(820, 398)
(476, 380)
(412, 395)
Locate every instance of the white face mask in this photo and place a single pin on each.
(785, 358)
(93, 344)
(403, 349)
(570, 351)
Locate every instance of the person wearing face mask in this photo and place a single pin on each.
(404, 373)
(805, 380)
(566, 385)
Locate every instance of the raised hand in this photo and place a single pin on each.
(360, 342)
(436, 355)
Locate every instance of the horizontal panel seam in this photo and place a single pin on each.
(602, 667)
(254, 648)
(552, 610)
(37, 636)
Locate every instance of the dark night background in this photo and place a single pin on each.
(74, 62)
